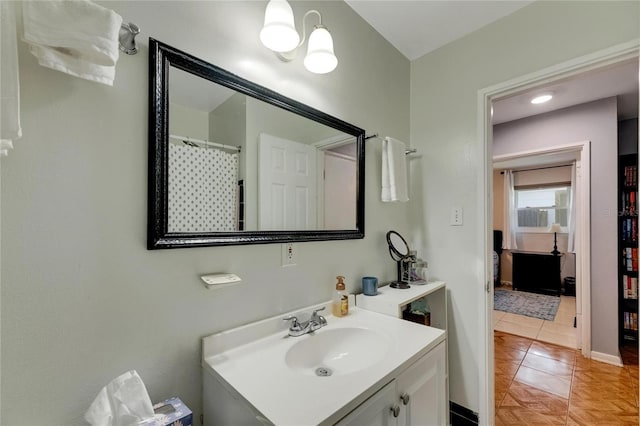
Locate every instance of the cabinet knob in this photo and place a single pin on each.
(395, 410)
(405, 398)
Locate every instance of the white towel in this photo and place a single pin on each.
(10, 129)
(77, 37)
(394, 171)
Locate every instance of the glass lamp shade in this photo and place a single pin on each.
(320, 58)
(554, 227)
(279, 31)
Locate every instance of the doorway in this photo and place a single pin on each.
(569, 69)
(553, 312)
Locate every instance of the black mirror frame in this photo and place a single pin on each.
(393, 250)
(161, 57)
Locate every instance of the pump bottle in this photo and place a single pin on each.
(340, 304)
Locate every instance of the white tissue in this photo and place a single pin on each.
(123, 402)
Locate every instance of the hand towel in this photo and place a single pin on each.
(10, 129)
(77, 37)
(394, 171)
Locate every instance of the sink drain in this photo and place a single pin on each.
(323, 371)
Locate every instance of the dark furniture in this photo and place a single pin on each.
(628, 248)
(497, 247)
(536, 272)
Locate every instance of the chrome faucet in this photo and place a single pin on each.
(299, 328)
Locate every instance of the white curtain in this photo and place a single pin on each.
(10, 129)
(510, 213)
(572, 211)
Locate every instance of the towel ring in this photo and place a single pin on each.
(127, 38)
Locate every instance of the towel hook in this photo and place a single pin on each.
(127, 38)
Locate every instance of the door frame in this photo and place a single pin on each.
(485, 96)
(582, 232)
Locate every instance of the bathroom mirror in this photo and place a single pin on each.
(232, 162)
(398, 247)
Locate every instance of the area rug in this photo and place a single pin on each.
(529, 304)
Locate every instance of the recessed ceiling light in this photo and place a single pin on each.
(541, 99)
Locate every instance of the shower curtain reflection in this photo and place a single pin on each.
(203, 189)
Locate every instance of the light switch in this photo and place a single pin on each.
(288, 254)
(456, 216)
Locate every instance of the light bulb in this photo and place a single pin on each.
(541, 99)
(320, 58)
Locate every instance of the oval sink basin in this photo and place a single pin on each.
(341, 350)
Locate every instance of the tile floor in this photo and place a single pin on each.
(539, 383)
(559, 331)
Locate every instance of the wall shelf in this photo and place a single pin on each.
(392, 301)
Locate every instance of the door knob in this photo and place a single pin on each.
(405, 398)
(395, 410)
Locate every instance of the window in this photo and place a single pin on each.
(538, 208)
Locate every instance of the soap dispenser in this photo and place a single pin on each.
(340, 305)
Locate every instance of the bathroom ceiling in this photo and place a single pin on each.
(620, 80)
(418, 27)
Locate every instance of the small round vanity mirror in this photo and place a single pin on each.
(399, 251)
(398, 247)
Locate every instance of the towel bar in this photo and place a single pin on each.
(407, 152)
(127, 38)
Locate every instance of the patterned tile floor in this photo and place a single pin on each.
(560, 331)
(539, 383)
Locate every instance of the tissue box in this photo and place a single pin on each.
(172, 412)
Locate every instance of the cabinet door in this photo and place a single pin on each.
(422, 391)
(375, 411)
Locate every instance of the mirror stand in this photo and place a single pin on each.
(404, 273)
(399, 251)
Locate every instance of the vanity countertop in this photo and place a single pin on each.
(252, 361)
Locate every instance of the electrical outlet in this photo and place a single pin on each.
(456, 216)
(288, 254)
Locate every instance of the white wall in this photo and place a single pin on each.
(444, 89)
(83, 300)
(595, 122)
(189, 122)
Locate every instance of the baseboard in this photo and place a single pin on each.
(462, 416)
(609, 359)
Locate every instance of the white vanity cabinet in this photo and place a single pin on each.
(422, 390)
(416, 397)
(376, 410)
(256, 374)
(392, 302)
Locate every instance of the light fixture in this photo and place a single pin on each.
(542, 98)
(279, 31)
(279, 34)
(555, 228)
